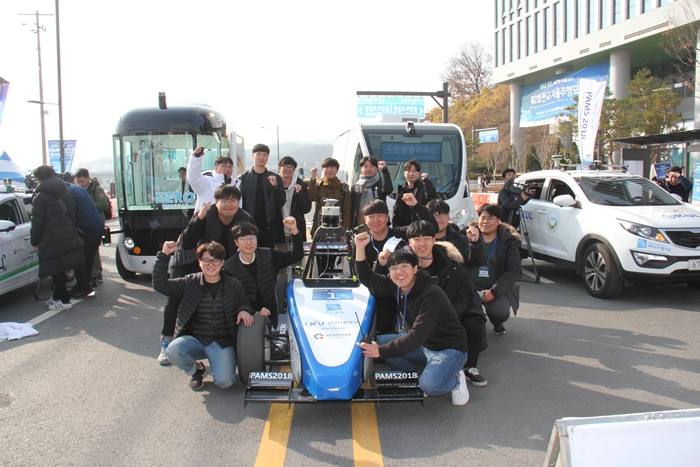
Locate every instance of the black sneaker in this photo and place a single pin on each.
(499, 329)
(197, 381)
(475, 377)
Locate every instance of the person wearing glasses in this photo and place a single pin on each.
(376, 217)
(497, 278)
(419, 185)
(374, 183)
(429, 333)
(210, 224)
(211, 307)
(257, 267)
(468, 243)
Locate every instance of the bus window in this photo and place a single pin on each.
(439, 152)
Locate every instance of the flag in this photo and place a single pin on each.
(591, 94)
(55, 154)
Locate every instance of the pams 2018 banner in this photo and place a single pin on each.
(543, 102)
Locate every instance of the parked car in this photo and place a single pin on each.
(614, 228)
(19, 263)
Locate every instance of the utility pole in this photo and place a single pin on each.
(38, 30)
(60, 99)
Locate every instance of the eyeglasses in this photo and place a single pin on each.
(214, 261)
(441, 216)
(403, 267)
(248, 239)
(289, 167)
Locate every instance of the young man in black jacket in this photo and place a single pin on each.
(212, 305)
(263, 197)
(429, 331)
(419, 185)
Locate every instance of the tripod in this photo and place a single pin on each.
(522, 228)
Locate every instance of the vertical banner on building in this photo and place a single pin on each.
(4, 86)
(55, 154)
(591, 94)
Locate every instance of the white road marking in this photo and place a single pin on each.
(49, 314)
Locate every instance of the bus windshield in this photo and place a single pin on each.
(439, 153)
(152, 164)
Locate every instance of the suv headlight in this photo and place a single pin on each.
(643, 231)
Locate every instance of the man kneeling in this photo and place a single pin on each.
(212, 305)
(429, 332)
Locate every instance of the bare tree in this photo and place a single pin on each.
(681, 42)
(468, 72)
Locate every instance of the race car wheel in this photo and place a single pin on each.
(122, 270)
(600, 275)
(250, 348)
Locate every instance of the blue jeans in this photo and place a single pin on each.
(184, 352)
(441, 366)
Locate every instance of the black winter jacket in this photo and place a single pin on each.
(300, 206)
(472, 253)
(190, 290)
(274, 200)
(430, 317)
(268, 263)
(53, 228)
(424, 191)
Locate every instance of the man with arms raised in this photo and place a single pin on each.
(429, 332)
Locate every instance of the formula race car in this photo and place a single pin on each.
(329, 312)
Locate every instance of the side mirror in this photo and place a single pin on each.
(7, 226)
(564, 201)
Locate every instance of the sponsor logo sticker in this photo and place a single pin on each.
(649, 245)
(553, 220)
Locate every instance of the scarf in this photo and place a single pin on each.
(366, 195)
(287, 208)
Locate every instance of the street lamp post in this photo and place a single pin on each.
(60, 98)
(277, 127)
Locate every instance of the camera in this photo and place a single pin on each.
(514, 188)
(410, 128)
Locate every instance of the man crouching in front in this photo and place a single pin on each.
(212, 305)
(428, 331)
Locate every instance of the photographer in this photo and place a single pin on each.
(511, 197)
(677, 184)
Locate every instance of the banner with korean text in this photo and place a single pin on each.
(591, 94)
(543, 102)
(55, 154)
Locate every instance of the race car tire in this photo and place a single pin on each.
(368, 362)
(121, 269)
(599, 272)
(250, 348)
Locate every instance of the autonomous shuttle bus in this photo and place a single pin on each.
(154, 201)
(438, 147)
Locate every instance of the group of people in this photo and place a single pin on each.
(67, 226)
(433, 295)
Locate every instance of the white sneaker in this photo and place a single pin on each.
(50, 301)
(460, 394)
(59, 305)
(163, 357)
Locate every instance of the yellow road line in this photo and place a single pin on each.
(366, 446)
(273, 445)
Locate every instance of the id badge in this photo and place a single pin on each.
(484, 271)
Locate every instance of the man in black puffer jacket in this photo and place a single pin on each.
(212, 305)
(54, 235)
(429, 331)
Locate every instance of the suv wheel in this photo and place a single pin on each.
(600, 275)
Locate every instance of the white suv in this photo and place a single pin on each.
(614, 228)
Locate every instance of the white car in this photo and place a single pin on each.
(19, 262)
(614, 228)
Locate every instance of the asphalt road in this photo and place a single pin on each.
(87, 390)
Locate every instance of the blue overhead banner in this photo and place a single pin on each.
(55, 154)
(374, 106)
(543, 102)
(4, 86)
